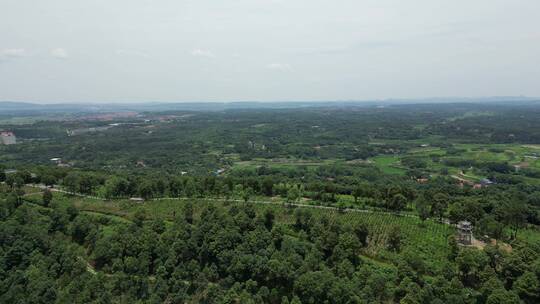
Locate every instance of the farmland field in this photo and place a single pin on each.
(388, 164)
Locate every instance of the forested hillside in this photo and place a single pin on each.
(241, 254)
(311, 205)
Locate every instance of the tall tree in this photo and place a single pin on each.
(439, 204)
(514, 214)
(395, 238)
(47, 197)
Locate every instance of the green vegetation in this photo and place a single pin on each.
(315, 205)
(181, 250)
(388, 164)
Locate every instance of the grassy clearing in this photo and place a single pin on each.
(472, 114)
(512, 153)
(418, 141)
(110, 217)
(427, 151)
(388, 164)
(280, 163)
(31, 190)
(530, 235)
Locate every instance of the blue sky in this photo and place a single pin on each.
(267, 50)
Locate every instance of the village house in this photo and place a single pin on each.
(219, 171)
(56, 160)
(486, 182)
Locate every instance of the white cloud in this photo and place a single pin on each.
(202, 53)
(59, 53)
(279, 66)
(12, 52)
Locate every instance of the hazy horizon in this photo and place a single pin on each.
(426, 100)
(140, 51)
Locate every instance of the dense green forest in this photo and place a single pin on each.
(200, 142)
(311, 205)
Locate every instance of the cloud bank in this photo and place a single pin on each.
(59, 53)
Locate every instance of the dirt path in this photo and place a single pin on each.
(296, 205)
(56, 189)
(300, 205)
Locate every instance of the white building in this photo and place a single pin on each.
(8, 138)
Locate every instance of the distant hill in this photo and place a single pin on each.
(27, 108)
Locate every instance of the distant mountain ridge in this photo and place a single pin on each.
(28, 108)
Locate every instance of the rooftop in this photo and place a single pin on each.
(464, 225)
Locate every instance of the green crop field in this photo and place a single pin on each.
(428, 240)
(279, 163)
(388, 164)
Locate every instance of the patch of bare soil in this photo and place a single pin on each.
(477, 243)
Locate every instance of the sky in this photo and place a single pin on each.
(267, 50)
